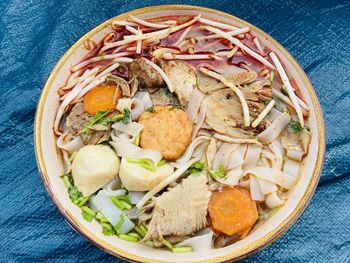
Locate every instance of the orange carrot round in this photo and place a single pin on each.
(101, 98)
(232, 211)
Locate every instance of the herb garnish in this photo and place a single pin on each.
(196, 168)
(176, 106)
(295, 126)
(98, 116)
(150, 109)
(167, 92)
(217, 173)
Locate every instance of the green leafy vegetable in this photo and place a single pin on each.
(295, 126)
(114, 118)
(196, 168)
(98, 116)
(150, 109)
(217, 173)
(126, 117)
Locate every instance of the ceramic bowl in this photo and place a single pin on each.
(50, 168)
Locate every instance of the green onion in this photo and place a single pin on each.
(149, 243)
(66, 181)
(137, 139)
(143, 229)
(101, 218)
(98, 116)
(83, 201)
(138, 230)
(162, 162)
(87, 213)
(196, 168)
(72, 156)
(114, 118)
(143, 162)
(117, 202)
(134, 235)
(167, 244)
(107, 229)
(217, 172)
(181, 249)
(126, 205)
(126, 117)
(128, 238)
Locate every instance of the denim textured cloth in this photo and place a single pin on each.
(35, 34)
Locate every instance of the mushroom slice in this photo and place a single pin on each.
(120, 82)
(183, 79)
(225, 115)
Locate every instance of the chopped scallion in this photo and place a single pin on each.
(128, 238)
(181, 249)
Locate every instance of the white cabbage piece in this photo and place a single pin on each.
(103, 204)
(93, 167)
(202, 242)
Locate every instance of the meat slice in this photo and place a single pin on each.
(183, 79)
(78, 119)
(147, 76)
(182, 210)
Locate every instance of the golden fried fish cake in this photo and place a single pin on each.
(167, 130)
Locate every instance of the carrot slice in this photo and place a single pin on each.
(232, 211)
(101, 98)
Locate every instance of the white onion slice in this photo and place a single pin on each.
(118, 192)
(113, 185)
(171, 178)
(276, 148)
(272, 175)
(199, 243)
(186, 156)
(124, 104)
(274, 130)
(145, 98)
(291, 167)
(72, 145)
(273, 200)
(102, 203)
(255, 190)
(137, 108)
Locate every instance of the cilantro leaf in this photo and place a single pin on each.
(295, 126)
(217, 173)
(196, 168)
(150, 109)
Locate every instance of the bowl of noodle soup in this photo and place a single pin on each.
(185, 110)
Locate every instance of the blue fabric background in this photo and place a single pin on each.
(35, 34)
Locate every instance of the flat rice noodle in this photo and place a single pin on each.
(291, 167)
(199, 151)
(273, 114)
(276, 148)
(232, 177)
(255, 190)
(235, 159)
(274, 130)
(222, 155)
(272, 175)
(131, 128)
(266, 187)
(272, 200)
(171, 178)
(129, 150)
(296, 155)
(236, 140)
(252, 154)
(194, 104)
(186, 156)
(210, 153)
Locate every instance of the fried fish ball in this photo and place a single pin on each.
(166, 129)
